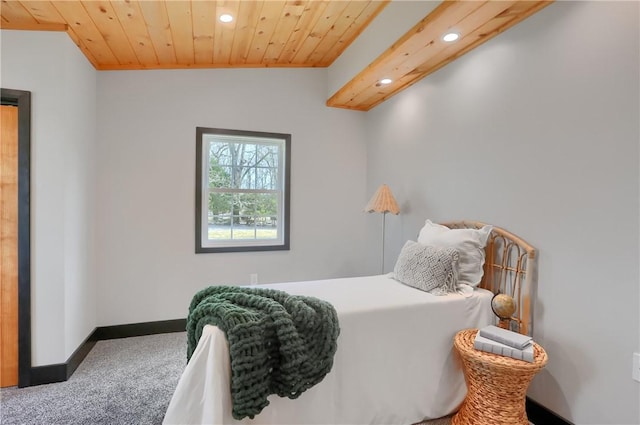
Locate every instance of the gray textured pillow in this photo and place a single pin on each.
(428, 268)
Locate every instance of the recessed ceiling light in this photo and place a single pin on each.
(451, 36)
(386, 81)
(226, 18)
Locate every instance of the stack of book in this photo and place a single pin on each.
(493, 339)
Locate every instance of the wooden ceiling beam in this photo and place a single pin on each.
(413, 46)
(33, 26)
(421, 51)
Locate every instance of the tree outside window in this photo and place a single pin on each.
(242, 190)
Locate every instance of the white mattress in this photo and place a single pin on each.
(394, 364)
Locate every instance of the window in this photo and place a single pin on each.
(242, 190)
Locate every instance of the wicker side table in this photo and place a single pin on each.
(497, 385)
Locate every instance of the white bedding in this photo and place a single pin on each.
(394, 364)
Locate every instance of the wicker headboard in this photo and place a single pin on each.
(508, 269)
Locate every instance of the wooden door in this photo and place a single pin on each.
(9, 246)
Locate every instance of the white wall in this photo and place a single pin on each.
(80, 197)
(537, 131)
(147, 268)
(63, 101)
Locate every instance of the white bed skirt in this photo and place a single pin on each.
(394, 364)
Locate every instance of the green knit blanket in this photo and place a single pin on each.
(278, 343)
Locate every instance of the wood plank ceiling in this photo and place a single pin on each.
(138, 34)
(156, 34)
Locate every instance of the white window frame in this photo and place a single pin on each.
(283, 141)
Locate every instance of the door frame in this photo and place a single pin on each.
(22, 99)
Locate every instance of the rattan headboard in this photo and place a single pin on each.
(508, 269)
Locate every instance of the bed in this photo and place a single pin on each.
(395, 363)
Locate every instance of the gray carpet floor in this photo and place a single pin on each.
(120, 382)
(126, 381)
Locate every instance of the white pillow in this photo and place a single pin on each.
(469, 243)
(428, 268)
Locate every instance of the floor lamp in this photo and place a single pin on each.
(383, 202)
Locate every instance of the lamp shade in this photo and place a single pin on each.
(383, 201)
